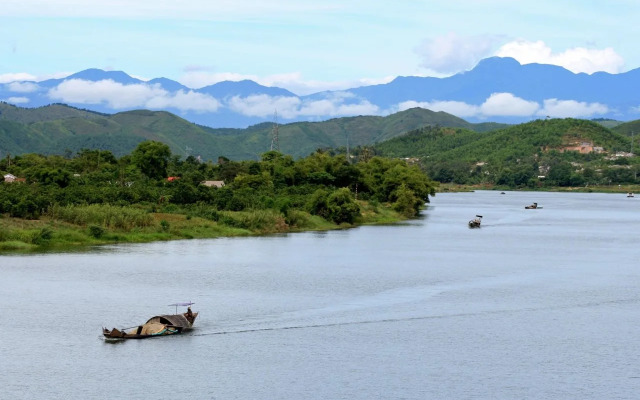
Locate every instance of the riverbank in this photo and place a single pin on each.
(49, 234)
(451, 187)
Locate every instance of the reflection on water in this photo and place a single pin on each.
(535, 304)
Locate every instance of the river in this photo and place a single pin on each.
(536, 304)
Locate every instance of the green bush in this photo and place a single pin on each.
(96, 231)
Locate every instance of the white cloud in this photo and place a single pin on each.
(576, 59)
(17, 100)
(185, 101)
(27, 77)
(16, 77)
(508, 105)
(263, 105)
(119, 96)
(451, 53)
(571, 109)
(22, 87)
(293, 107)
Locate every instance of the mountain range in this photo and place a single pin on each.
(496, 89)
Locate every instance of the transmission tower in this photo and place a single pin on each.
(275, 144)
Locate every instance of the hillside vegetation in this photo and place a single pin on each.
(58, 129)
(542, 153)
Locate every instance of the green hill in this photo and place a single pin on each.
(585, 150)
(51, 112)
(59, 129)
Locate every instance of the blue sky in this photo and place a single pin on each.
(307, 47)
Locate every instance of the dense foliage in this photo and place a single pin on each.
(57, 128)
(542, 153)
(94, 188)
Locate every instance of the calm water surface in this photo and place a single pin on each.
(537, 304)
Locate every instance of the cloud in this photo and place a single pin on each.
(16, 77)
(293, 107)
(571, 109)
(508, 105)
(185, 101)
(22, 87)
(119, 96)
(576, 59)
(17, 100)
(451, 53)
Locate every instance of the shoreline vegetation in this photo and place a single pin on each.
(55, 203)
(46, 234)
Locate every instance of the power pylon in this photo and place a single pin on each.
(275, 144)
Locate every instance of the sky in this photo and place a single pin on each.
(310, 46)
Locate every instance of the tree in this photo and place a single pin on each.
(152, 158)
(342, 206)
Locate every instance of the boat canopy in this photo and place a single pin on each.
(174, 320)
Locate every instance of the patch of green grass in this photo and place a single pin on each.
(50, 234)
(16, 245)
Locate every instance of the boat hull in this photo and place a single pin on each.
(161, 325)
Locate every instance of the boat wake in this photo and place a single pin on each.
(417, 318)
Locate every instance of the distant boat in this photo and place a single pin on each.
(629, 194)
(160, 325)
(475, 223)
(532, 206)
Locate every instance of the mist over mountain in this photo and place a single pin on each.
(497, 89)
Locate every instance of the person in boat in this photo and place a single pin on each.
(189, 315)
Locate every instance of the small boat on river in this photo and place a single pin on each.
(475, 223)
(533, 206)
(629, 194)
(160, 325)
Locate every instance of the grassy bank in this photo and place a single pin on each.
(71, 227)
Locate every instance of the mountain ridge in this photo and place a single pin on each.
(26, 130)
(530, 91)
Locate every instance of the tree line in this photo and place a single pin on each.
(151, 177)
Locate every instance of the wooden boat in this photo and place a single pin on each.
(160, 325)
(475, 223)
(532, 207)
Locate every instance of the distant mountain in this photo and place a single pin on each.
(58, 129)
(497, 89)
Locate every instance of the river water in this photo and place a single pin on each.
(536, 304)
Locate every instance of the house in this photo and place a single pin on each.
(10, 178)
(217, 184)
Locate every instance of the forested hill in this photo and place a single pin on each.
(584, 150)
(59, 129)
